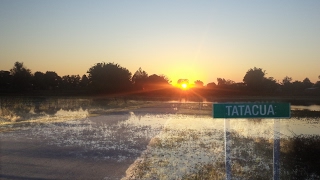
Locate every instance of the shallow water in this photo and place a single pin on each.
(168, 140)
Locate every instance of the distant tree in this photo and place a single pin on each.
(287, 85)
(270, 85)
(286, 80)
(70, 82)
(198, 84)
(183, 81)
(223, 82)
(157, 82)
(307, 83)
(162, 79)
(75, 81)
(298, 87)
(139, 79)
(51, 80)
(168, 81)
(5, 80)
(211, 85)
(109, 78)
(21, 76)
(84, 82)
(38, 81)
(230, 82)
(254, 79)
(317, 84)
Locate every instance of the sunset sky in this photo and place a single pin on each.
(195, 40)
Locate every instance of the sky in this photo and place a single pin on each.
(182, 39)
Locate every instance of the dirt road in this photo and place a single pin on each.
(24, 158)
(100, 147)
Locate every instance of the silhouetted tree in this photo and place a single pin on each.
(38, 81)
(198, 84)
(297, 88)
(109, 78)
(183, 81)
(317, 84)
(286, 80)
(211, 85)
(162, 79)
(139, 79)
(5, 80)
(51, 80)
(223, 82)
(157, 82)
(270, 85)
(254, 79)
(75, 81)
(84, 82)
(21, 76)
(287, 85)
(70, 82)
(307, 83)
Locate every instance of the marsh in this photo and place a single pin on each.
(116, 138)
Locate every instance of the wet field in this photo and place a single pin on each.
(125, 139)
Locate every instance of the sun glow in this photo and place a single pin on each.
(184, 86)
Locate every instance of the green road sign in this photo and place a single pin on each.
(251, 110)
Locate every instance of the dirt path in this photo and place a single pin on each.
(94, 148)
(24, 158)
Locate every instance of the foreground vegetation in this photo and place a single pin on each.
(198, 154)
(189, 143)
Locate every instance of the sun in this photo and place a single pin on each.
(184, 86)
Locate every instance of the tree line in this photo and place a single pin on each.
(102, 78)
(111, 78)
(255, 82)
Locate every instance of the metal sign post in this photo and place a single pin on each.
(227, 148)
(276, 149)
(252, 110)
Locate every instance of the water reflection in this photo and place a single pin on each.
(26, 109)
(14, 109)
(169, 140)
(306, 107)
(21, 109)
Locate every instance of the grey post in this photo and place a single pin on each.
(227, 148)
(276, 149)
